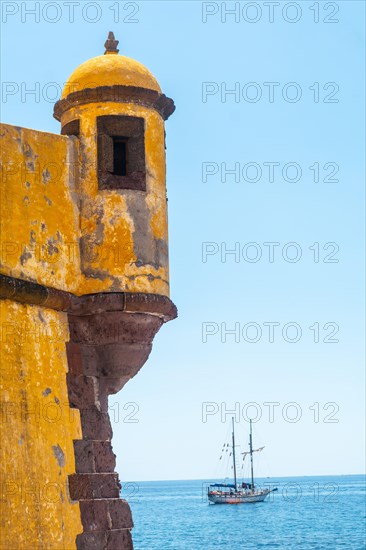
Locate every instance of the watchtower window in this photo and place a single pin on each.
(121, 152)
(119, 156)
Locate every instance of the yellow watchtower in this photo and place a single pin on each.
(84, 287)
(115, 107)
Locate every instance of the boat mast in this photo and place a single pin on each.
(234, 462)
(251, 454)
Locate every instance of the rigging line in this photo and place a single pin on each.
(221, 461)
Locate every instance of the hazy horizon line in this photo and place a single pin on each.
(260, 477)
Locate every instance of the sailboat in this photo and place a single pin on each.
(234, 493)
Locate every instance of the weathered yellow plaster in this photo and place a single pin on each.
(39, 214)
(106, 208)
(37, 429)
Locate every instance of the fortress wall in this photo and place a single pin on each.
(37, 431)
(39, 213)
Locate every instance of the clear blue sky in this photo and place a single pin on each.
(170, 440)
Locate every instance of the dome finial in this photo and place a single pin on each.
(111, 44)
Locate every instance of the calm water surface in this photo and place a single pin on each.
(306, 513)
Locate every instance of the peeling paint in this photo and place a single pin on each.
(46, 176)
(59, 455)
(25, 256)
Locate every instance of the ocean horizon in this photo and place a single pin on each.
(259, 478)
(306, 512)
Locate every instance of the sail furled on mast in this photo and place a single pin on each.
(253, 451)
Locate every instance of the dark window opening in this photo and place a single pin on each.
(119, 156)
(121, 152)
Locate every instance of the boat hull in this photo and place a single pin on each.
(242, 498)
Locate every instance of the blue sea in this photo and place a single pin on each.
(306, 513)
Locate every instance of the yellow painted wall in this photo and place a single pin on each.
(37, 429)
(39, 215)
